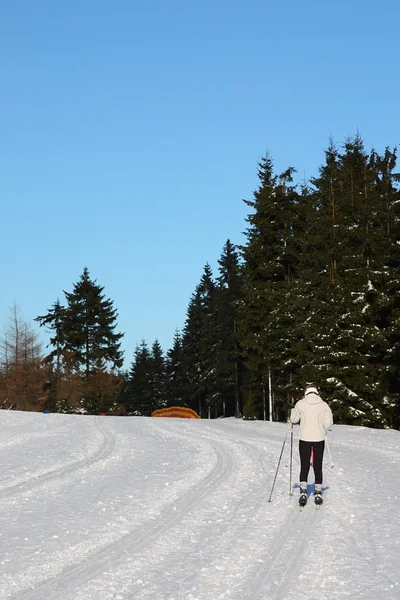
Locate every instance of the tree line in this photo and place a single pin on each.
(312, 295)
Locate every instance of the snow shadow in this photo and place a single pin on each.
(310, 488)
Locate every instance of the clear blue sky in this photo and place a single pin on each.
(130, 133)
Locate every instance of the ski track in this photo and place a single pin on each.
(215, 524)
(250, 502)
(356, 565)
(28, 485)
(270, 580)
(197, 547)
(76, 575)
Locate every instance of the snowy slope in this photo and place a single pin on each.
(165, 509)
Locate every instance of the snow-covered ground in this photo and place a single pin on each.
(99, 508)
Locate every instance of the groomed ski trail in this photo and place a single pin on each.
(168, 509)
(28, 484)
(283, 560)
(144, 536)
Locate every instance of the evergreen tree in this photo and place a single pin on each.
(314, 303)
(199, 348)
(191, 353)
(175, 375)
(317, 268)
(270, 269)
(387, 183)
(344, 342)
(53, 321)
(89, 327)
(158, 376)
(124, 397)
(139, 398)
(229, 364)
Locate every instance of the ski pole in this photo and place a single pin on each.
(279, 462)
(291, 460)
(329, 450)
(338, 489)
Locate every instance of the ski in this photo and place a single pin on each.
(303, 501)
(301, 508)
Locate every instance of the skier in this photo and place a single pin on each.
(314, 416)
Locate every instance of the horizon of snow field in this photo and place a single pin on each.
(177, 509)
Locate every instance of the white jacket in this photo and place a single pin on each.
(314, 416)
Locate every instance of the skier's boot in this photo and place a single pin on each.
(303, 497)
(318, 497)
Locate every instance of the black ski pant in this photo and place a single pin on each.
(305, 456)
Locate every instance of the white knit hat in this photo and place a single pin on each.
(310, 387)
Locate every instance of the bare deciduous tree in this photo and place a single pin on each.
(22, 372)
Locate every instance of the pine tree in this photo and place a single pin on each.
(139, 398)
(387, 183)
(89, 327)
(191, 354)
(158, 376)
(199, 348)
(344, 343)
(270, 270)
(175, 375)
(53, 321)
(228, 360)
(321, 286)
(312, 299)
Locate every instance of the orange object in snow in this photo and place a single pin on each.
(177, 412)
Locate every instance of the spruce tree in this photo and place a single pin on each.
(321, 286)
(139, 399)
(345, 343)
(363, 340)
(270, 270)
(175, 374)
(158, 376)
(229, 364)
(90, 321)
(387, 182)
(199, 348)
(191, 353)
(54, 321)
